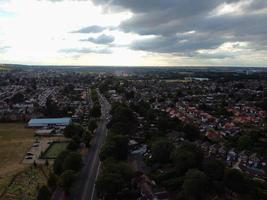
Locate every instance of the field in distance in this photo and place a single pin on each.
(3, 67)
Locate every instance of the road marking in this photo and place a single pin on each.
(97, 173)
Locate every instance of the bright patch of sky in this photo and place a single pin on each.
(87, 32)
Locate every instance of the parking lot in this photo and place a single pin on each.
(38, 147)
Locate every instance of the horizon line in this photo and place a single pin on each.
(132, 66)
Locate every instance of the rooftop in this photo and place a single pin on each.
(65, 120)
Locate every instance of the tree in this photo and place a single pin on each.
(163, 124)
(151, 114)
(195, 184)
(66, 179)
(73, 161)
(73, 145)
(58, 164)
(214, 169)
(33, 84)
(73, 130)
(17, 98)
(191, 133)
(115, 167)
(121, 143)
(92, 125)
(186, 157)
(115, 147)
(121, 128)
(96, 111)
(52, 181)
(110, 184)
(129, 95)
(51, 109)
(107, 151)
(87, 138)
(115, 177)
(263, 104)
(94, 96)
(265, 169)
(142, 108)
(235, 180)
(68, 89)
(123, 120)
(244, 142)
(161, 151)
(44, 193)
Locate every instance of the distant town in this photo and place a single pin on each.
(137, 133)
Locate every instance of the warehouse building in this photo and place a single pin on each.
(49, 122)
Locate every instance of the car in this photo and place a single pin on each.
(29, 154)
(28, 157)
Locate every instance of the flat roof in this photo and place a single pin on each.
(65, 120)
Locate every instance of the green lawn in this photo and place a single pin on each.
(55, 149)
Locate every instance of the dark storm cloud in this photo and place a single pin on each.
(182, 7)
(169, 20)
(256, 5)
(90, 29)
(102, 39)
(174, 44)
(86, 51)
(164, 19)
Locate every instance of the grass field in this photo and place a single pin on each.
(55, 149)
(2, 67)
(26, 184)
(15, 140)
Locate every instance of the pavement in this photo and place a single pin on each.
(84, 187)
(39, 145)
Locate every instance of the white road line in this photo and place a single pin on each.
(97, 173)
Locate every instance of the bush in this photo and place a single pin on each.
(214, 169)
(195, 184)
(186, 157)
(52, 181)
(44, 193)
(161, 151)
(116, 177)
(235, 180)
(66, 179)
(58, 164)
(73, 161)
(73, 130)
(73, 145)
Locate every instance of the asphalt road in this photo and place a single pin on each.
(84, 187)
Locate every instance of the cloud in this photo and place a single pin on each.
(86, 50)
(214, 22)
(176, 44)
(3, 49)
(90, 29)
(102, 39)
(196, 30)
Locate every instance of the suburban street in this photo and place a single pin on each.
(84, 187)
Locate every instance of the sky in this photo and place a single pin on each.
(134, 32)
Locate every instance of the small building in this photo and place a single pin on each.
(44, 132)
(49, 122)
